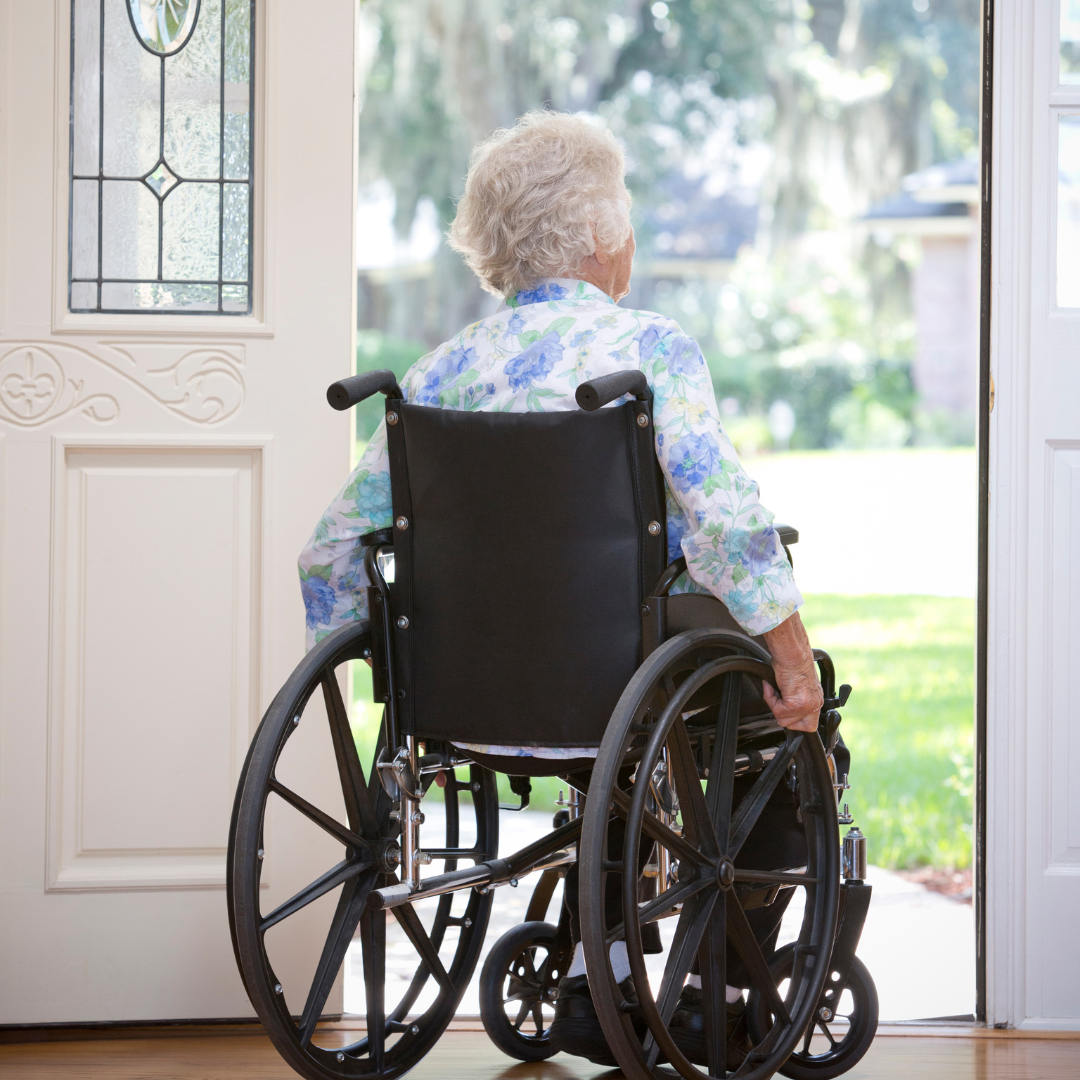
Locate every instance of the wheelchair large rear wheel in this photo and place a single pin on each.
(439, 945)
(667, 767)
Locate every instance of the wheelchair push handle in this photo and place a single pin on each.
(349, 392)
(596, 393)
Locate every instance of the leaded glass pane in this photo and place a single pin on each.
(1068, 212)
(1069, 55)
(161, 207)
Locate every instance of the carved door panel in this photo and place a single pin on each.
(1033, 685)
(176, 288)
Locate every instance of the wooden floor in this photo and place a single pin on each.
(468, 1055)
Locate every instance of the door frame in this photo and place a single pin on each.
(1020, 672)
(985, 404)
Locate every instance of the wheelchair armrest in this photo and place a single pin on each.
(596, 393)
(346, 393)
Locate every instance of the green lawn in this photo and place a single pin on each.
(909, 722)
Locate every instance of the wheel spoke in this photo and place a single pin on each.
(828, 1035)
(523, 1014)
(692, 922)
(351, 905)
(530, 968)
(808, 1039)
(750, 808)
(373, 944)
(655, 829)
(773, 877)
(721, 784)
(420, 977)
(677, 894)
(322, 819)
(414, 929)
(697, 824)
(319, 887)
(538, 1019)
(712, 963)
(742, 937)
(358, 804)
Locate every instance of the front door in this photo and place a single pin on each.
(1033, 684)
(176, 287)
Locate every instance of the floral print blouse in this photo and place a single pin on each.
(530, 356)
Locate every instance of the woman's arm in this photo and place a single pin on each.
(332, 563)
(717, 519)
(725, 533)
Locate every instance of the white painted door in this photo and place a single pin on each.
(1033, 741)
(159, 472)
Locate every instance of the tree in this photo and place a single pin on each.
(850, 94)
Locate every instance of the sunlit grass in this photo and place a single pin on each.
(909, 722)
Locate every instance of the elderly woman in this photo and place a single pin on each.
(545, 225)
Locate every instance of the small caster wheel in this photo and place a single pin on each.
(842, 1030)
(517, 991)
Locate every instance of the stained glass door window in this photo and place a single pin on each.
(1069, 42)
(161, 156)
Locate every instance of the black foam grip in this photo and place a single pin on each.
(596, 393)
(349, 392)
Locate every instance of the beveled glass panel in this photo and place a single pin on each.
(235, 266)
(1068, 212)
(189, 233)
(132, 97)
(238, 41)
(161, 106)
(83, 295)
(237, 143)
(237, 88)
(129, 230)
(234, 297)
(1069, 47)
(164, 25)
(84, 229)
(158, 296)
(193, 91)
(86, 87)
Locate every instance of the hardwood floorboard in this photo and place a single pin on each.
(467, 1055)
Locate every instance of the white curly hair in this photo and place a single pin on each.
(539, 198)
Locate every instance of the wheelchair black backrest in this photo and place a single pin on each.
(524, 546)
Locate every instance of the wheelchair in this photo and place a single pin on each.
(522, 598)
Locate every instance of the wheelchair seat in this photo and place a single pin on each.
(531, 606)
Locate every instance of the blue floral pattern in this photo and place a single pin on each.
(530, 356)
(535, 364)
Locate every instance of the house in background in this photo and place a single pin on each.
(690, 234)
(939, 206)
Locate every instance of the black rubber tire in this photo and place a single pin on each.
(505, 956)
(362, 869)
(697, 669)
(849, 1051)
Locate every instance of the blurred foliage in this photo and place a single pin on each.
(804, 332)
(909, 722)
(848, 96)
(375, 350)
